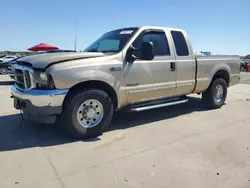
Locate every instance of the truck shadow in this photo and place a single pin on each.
(14, 136)
(124, 120)
(6, 83)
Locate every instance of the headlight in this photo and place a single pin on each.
(40, 77)
(44, 77)
(43, 80)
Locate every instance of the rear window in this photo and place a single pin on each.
(180, 43)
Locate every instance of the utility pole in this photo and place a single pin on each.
(75, 35)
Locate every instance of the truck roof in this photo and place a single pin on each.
(154, 27)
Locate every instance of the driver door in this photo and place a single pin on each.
(148, 80)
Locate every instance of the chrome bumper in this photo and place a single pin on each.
(41, 98)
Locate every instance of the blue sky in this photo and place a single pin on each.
(219, 26)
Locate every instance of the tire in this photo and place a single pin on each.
(210, 99)
(3, 70)
(75, 116)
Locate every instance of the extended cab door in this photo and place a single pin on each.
(148, 80)
(185, 63)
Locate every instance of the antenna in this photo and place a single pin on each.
(75, 35)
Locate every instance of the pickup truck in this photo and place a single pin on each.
(136, 68)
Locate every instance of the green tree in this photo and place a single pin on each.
(247, 56)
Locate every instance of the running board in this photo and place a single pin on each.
(157, 104)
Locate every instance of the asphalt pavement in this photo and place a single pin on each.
(179, 146)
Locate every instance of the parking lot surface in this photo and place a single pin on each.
(179, 146)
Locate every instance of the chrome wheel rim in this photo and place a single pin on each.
(3, 71)
(218, 93)
(90, 113)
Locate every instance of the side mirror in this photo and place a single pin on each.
(147, 51)
(130, 55)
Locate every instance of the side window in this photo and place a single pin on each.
(159, 40)
(180, 43)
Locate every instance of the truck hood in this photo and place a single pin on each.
(42, 61)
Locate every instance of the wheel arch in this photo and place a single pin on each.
(97, 84)
(222, 73)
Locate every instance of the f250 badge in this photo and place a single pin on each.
(115, 68)
(130, 85)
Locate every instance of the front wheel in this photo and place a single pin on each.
(3, 70)
(216, 94)
(86, 113)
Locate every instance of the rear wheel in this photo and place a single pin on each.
(3, 70)
(216, 94)
(86, 113)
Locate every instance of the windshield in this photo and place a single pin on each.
(113, 41)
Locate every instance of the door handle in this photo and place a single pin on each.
(172, 66)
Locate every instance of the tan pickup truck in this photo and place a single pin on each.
(137, 68)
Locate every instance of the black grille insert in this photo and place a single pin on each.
(22, 79)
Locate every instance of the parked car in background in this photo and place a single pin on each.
(247, 64)
(4, 68)
(244, 63)
(1, 58)
(7, 58)
(11, 67)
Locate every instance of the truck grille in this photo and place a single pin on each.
(23, 78)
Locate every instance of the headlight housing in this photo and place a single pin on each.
(43, 80)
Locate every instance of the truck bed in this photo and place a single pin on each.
(207, 66)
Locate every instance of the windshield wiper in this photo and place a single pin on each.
(93, 50)
(109, 51)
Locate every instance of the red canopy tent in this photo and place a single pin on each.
(42, 47)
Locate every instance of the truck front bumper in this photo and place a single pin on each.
(39, 105)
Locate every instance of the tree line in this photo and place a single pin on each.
(17, 53)
(247, 57)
